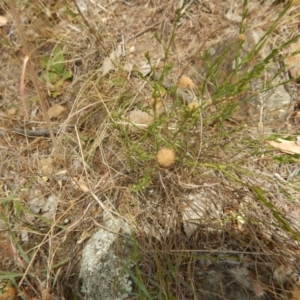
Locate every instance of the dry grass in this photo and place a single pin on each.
(246, 245)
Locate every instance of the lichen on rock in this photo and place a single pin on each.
(105, 261)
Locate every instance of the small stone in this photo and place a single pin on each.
(139, 120)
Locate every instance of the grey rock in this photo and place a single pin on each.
(105, 263)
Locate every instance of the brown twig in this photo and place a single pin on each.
(22, 88)
(38, 132)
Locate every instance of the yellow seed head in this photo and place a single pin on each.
(165, 157)
(193, 105)
(241, 37)
(186, 82)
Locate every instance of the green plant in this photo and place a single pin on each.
(218, 142)
(55, 71)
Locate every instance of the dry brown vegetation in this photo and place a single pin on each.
(244, 243)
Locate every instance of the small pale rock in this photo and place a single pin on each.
(139, 120)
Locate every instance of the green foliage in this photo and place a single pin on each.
(142, 183)
(275, 212)
(55, 70)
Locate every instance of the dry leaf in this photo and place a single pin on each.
(9, 294)
(295, 2)
(3, 21)
(82, 184)
(293, 61)
(107, 66)
(83, 187)
(285, 146)
(11, 111)
(55, 111)
(61, 173)
(296, 293)
(110, 61)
